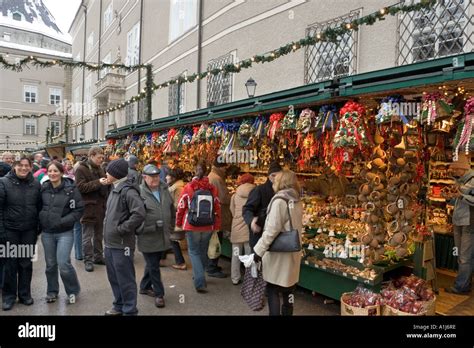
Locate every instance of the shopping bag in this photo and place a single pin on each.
(253, 290)
(214, 250)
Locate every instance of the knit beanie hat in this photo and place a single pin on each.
(274, 167)
(245, 179)
(118, 168)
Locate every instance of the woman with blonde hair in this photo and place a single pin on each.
(281, 269)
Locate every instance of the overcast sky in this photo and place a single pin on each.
(63, 11)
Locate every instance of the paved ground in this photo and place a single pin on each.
(223, 297)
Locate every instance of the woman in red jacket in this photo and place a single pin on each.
(199, 214)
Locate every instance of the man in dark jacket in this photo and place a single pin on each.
(255, 210)
(132, 169)
(5, 166)
(91, 182)
(20, 203)
(124, 215)
(155, 239)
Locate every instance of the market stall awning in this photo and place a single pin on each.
(443, 70)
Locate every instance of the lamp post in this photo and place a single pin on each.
(251, 86)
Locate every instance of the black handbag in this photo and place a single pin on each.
(287, 241)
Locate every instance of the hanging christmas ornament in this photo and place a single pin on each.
(466, 132)
(306, 121)
(274, 124)
(327, 117)
(289, 121)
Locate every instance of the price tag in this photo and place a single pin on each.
(400, 204)
(310, 247)
(306, 262)
(354, 277)
(344, 274)
(345, 156)
(316, 265)
(366, 281)
(323, 267)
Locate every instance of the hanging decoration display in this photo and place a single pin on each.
(463, 137)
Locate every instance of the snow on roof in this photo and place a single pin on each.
(35, 49)
(35, 17)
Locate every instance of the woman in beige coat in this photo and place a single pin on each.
(281, 270)
(239, 235)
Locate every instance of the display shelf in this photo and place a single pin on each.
(436, 199)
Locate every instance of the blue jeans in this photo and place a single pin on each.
(78, 240)
(57, 253)
(178, 255)
(121, 274)
(198, 243)
(464, 242)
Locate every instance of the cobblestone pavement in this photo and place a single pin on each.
(95, 298)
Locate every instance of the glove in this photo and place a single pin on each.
(256, 258)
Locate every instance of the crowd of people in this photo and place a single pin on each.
(106, 212)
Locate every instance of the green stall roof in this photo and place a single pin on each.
(421, 74)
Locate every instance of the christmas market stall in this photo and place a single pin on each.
(372, 153)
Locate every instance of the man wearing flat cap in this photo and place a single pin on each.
(155, 239)
(124, 217)
(463, 223)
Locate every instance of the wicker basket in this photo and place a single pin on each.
(429, 308)
(348, 310)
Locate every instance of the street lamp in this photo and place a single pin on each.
(251, 86)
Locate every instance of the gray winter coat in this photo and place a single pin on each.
(463, 206)
(62, 206)
(156, 238)
(125, 213)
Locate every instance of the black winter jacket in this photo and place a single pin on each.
(20, 203)
(257, 203)
(62, 206)
(124, 215)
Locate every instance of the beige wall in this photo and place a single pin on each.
(12, 100)
(246, 27)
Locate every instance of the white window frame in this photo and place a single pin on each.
(107, 59)
(90, 43)
(108, 16)
(30, 89)
(55, 92)
(436, 34)
(183, 17)
(57, 127)
(28, 124)
(133, 45)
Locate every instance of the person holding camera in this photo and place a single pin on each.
(155, 239)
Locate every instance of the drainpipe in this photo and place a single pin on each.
(199, 53)
(83, 71)
(140, 58)
(96, 120)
